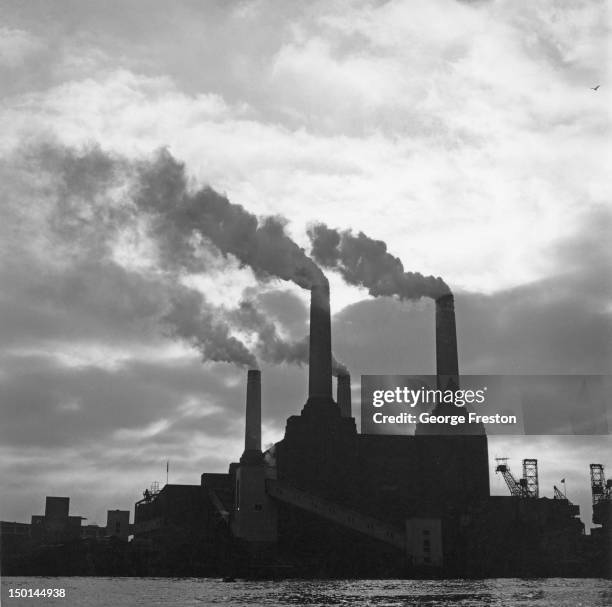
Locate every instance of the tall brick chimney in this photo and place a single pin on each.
(320, 355)
(343, 396)
(254, 514)
(447, 365)
(252, 429)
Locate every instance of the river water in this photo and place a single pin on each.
(120, 592)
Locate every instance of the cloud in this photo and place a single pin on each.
(97, 205)
(473, 177)
(75, 286)
(128, 422)
(558, 325)
(16, 46)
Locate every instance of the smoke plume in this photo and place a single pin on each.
(271, 346)
(97, 205)
(139, 223)
(183, 219)
(78, 236)
(366, 262)
(192, 319)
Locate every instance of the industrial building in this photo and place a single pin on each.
(51, 541)
(55, 526)
(328, 501)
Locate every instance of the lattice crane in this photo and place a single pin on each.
(523, 487)
(601, 490)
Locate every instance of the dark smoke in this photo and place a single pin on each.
(96, 202)
(80, 194)
(270, 346)
(182, 219)
(366, 262)
(185, 222)
(192, 319)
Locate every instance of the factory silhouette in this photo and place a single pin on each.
(327, 501)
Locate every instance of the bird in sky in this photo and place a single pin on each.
(594, 88)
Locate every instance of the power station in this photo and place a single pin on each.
(328, 501)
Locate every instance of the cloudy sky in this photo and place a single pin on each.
(463, 134)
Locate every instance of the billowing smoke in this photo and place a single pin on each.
(184, 222)
(191, 319)
(79, 235)
(103, 214)
(270, 345)
(99, 204)
(366, 262)
(182, 219)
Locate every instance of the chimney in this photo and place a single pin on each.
(320, 356)
(254, 516)
(252, 430)
(447, 366)
(344, 395)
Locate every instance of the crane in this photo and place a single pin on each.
(517, 488)
(559, 495)
(530, 476)
(523, 487)
(601, 490)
